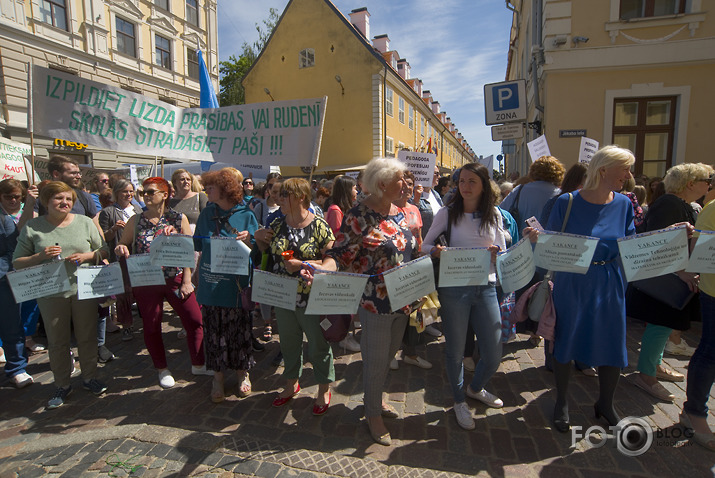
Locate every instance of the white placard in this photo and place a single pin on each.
(409, 282)
(229, 256)
(538, 148)
(702, 259)
(273, 289)
(142, 272)
(175, 250)
(515, 267)
(587, 150)
(133, 178)
(39, 281)
(654, 253)
(335, 293)
(561, 252)
(460, 266)
(420, 164)
(99, 281)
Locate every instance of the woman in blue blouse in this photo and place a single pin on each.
(227, 323)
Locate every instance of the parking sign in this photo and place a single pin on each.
(505, 102)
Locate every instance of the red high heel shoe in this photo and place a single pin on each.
(320, 410)
(280, 401)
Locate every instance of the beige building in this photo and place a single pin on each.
(144, 46)
(375, 107)
(637, 73)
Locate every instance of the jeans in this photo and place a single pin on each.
(12, 333)
(701, 370)
(101, 330)
(30, 312)
(477, 306)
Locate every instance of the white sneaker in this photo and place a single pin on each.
(682, 348)
(433, 331)
(394, 365)
(464, 415)
(201, 370)
(165, 379)
(485, 397)
(22, 380)
(350, 344)
(469, 364)
(418, 362)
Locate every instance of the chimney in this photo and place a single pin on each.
(381, 43)
(403, 68)
(419, 87)
(435, 108)
(427, 97)
(360, 18)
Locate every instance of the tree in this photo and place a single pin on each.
(235, 69)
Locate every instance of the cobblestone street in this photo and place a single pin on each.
(138, 429)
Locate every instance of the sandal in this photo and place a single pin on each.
(267, 333)
(244, 387)
(217, 394)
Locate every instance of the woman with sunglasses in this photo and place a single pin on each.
(178, 290)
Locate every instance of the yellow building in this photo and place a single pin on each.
(143, 46)
(637, 73)
(374, 107)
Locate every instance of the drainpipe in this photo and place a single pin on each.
(384, 113)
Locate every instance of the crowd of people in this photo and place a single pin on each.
(369, 225)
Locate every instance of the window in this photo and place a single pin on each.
(388, 101)
(162, 4)
(646, 126)
(307, 58)
(192, 61)
(401, 111)
(163, 52)
(54, 12)
(411, 117)
(192, 12)
(389, 147)
(422, 126)
(125, 37)
(650, 8)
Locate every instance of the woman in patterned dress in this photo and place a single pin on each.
(227, 323)
(138, 234)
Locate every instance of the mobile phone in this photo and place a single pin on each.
(533, 222)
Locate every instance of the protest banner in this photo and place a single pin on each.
(273, 289)
(702, 259)
(285, 133)
(39, 281)
(12, 162)
(175, 250)
(99, 281)
(409, 282)
(515, 266)
(420, 164)
(229, 256)
(335, 293)
(142, 272)
(538, 148)
(587, 149)
(654, 253)
(560, 252)
(459, 266)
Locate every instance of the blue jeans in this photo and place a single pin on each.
(12, 333)
(30, 312)
(477, 306)
(701, 370)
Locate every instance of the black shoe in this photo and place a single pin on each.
(257, 346)
(278, 360)
(612, 418)
(561, 419)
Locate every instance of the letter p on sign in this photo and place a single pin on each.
(505, 97)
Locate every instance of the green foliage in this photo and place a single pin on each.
(233, 71)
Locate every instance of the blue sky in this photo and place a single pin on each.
(453, 46)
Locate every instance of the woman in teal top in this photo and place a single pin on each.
(227, 324)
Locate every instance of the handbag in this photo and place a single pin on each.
(537, 301)
(335, 327)
(668, 289)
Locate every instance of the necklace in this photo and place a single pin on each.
(302, 220)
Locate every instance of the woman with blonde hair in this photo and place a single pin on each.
(188, 198)
(590, 308)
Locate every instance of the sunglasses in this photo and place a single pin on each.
(12, 197)
(151, 192)
(104, 181)
(706, 180)
(248, 183)
(284, 194)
